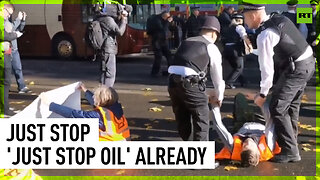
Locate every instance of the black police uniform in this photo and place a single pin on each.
(160, 42)
(287, 93)
(193, 26)
(189, 101)
(233, 53)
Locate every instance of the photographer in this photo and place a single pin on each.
(113, 20)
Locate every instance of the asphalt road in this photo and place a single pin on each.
(44, 74)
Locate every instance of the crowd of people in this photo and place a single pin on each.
(286, 61)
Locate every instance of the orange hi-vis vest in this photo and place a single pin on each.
(265, 152)
(116, 129)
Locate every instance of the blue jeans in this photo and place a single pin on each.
(17, 69)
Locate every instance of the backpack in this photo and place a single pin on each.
(150, 24)
(94, 35)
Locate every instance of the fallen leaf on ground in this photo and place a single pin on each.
(31, 83)
(306, 145)
(156, 122)
(121, 172)
(148, 127)
(17, 102)
(154, 100)
(304, 126)
(229, 168)
(313, 128)
(306, 149)
(123, 107)
(135, 136)
(304, 99)
(155, 109)
(230, 116)
(169, 119)
(146, 89)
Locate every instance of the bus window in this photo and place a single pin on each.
(87, 13)
(139, 16)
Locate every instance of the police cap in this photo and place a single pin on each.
(247, 6)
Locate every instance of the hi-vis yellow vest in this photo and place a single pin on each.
(265, 152)
(19, 174)
(116, 129)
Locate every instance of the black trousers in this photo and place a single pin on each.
(5, 81)
(160, 48)
(237, 63)
(285, 104)
(190, 106)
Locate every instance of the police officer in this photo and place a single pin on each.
(160, 45)
(234, 49)
(292, 15)
(277, 36)
(193, 23)
(194, 58)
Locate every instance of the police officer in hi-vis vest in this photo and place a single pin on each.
(280, 43)
(194, 58)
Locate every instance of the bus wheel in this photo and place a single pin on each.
(63, 47)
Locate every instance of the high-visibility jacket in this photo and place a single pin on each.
(19, 174)
(265, 152)
(115, 129)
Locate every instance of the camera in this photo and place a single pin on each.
(113, 10)
(125, 9)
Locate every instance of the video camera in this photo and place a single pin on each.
(113, 10)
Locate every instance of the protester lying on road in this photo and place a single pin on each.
(253, 142)
(113, 125)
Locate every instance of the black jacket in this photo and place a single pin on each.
(160, 29)
(193, 26)
(110, 29)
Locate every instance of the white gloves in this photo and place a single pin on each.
(20, 15)
(19, 34)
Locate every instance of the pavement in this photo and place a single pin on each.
(133, 79)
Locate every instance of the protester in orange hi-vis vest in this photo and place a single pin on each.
(254, 142)
(19, 174)
(113, 125)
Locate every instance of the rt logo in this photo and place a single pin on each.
(304, 15)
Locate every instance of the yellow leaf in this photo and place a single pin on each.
(169, 119)
(146, 89)
(17, 102)
(134, 136)
(304, 99)
(148, 127)
(230, 116)
(155, 109)
(229, 168)
(154, 100)
(306, 149)
(306, 145)
(31, 83)
(121, 172)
